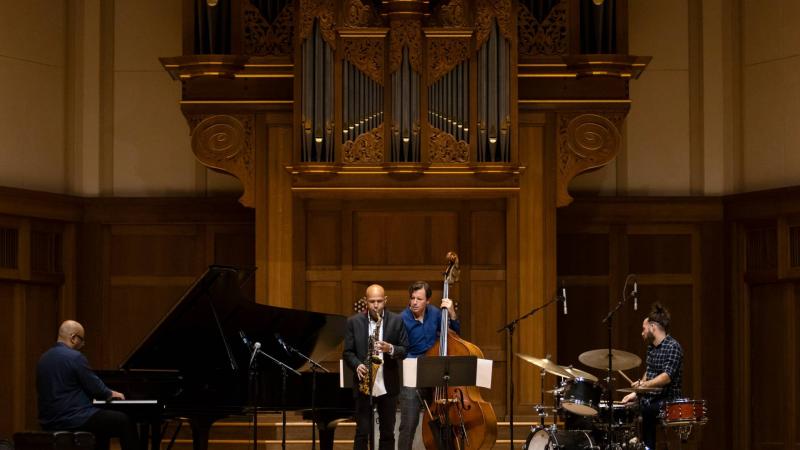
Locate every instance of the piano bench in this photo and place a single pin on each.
(54, 440)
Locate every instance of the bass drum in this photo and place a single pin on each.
(550, 439)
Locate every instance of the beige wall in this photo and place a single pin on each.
(771, 93)
(32, 93)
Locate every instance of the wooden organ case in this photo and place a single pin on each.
(364, 131)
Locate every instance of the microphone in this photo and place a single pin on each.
(635, 295)
(256, 348)
(283, 344)
(244, 339)
(564, 296)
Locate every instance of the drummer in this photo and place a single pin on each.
(664, 367)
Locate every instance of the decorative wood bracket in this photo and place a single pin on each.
(226, 143)
(586, 140)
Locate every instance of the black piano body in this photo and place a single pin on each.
(196, 364)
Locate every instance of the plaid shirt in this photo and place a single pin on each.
(665, 357)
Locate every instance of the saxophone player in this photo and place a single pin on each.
(374, 344)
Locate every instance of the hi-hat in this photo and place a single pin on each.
(621, 360)
(547, 365)
(577, 373)
(641, 390)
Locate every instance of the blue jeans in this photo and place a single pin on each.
(410, 406)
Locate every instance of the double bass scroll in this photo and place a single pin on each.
(459, 418)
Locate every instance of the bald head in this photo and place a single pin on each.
(375, 290)
(376, 300)
(71, 333)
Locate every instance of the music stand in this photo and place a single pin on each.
(443, 371)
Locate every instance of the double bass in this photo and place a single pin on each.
(458, 418)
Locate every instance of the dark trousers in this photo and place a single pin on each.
(650, 413)
(106, 424)
(386, 405)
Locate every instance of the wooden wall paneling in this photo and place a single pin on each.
(279, 234)
(157, 250)
(68, 294)
(299, 293)
(41, 331)
(488, 315)
(12, 351)
(741, 339)
(447, 233)
(325, 296)
(150, 267)
(324, 239)
(232, 245)
(768, 367)
(581, 330)
(488, 245)
(348, 238)
(794, 319)
(513, 286)
(533, 206)
(370, 238)
(407, 236)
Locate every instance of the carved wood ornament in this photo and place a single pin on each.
(444, 55)
(264, 38)
(366, 149)
(405, 33)
(488, 10)
(323, 11)
(445, 148)
(225, 143)
(585, 141)
(546, 36)
(367, 55)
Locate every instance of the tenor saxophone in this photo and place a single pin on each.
(373, 361)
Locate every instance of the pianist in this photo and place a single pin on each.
(66, 386)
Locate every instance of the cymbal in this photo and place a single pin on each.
(641, 390)
(577, 373)
(554, 391)
(621, 360)
(548, 366)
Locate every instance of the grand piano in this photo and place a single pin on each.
(196, 363)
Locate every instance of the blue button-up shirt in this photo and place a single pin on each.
(66, 387)
(422, 335)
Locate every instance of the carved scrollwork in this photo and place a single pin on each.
(548, 37)
(445, 148)
(357, 14)
(444, 55)
(324, 12)
(488, 10)
(453, 14)
(225, 143)
(366, 149)
(405, 33)
(366, 55)
(264, 38)
(585, 141)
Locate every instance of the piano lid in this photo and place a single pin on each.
(202, 331)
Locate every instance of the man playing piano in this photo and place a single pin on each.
(66, 386)
(385, 333)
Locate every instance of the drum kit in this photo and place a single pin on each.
(590, 421)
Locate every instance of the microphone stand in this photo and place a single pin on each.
(608, 320)
(284, 374)
(314, 366)
(254, 392)
(509, 328)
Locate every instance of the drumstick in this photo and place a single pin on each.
(626, 377)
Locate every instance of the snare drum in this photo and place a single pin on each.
(581, 397)
(684, 411)
(552, 439)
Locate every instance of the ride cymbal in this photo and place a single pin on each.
(620, 360)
